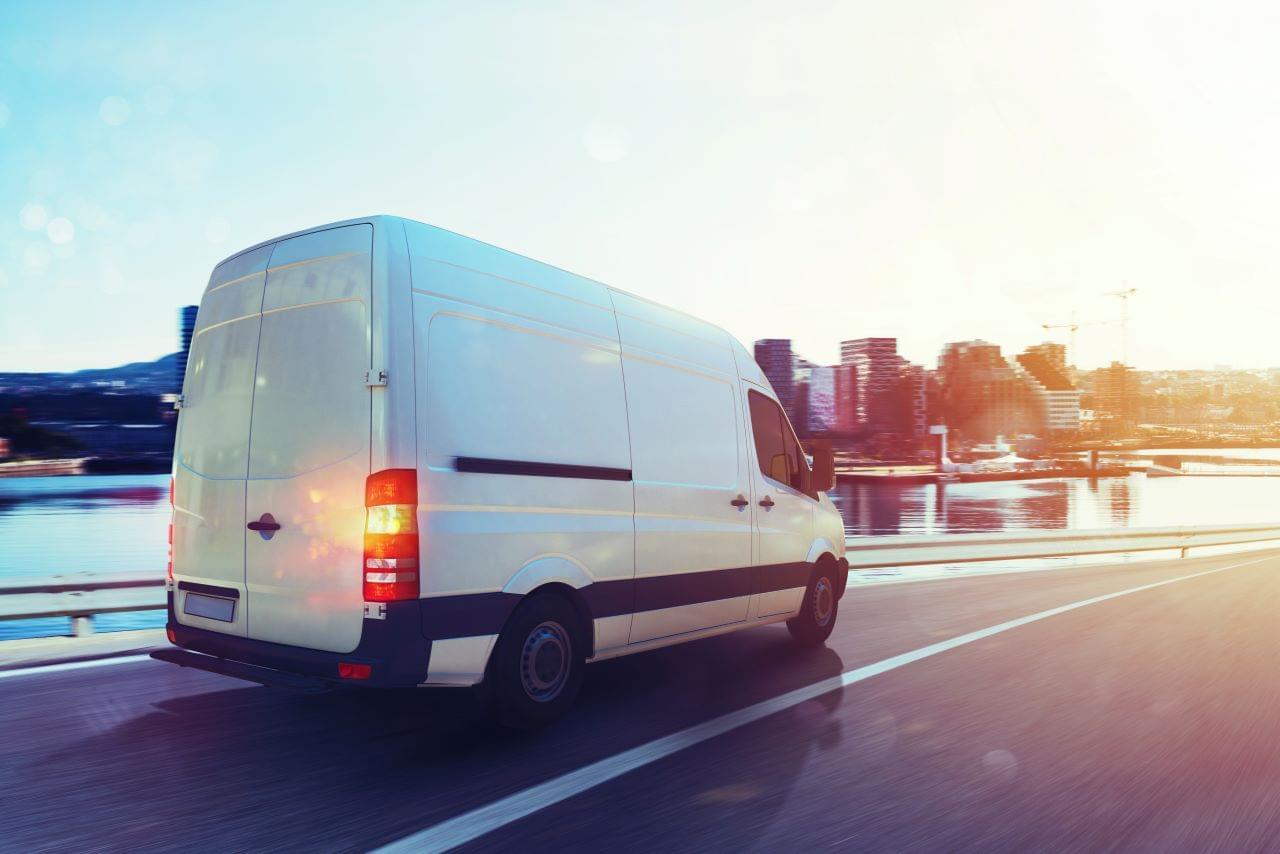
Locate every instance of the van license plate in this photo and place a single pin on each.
(209, 607)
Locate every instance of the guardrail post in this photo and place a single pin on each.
(81, 625)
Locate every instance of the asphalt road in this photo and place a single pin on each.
(1147, 721)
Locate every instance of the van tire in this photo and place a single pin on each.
(541, 651)
(818, 612)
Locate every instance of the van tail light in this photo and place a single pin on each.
(348, 670)
(168, 575)
(391, 536)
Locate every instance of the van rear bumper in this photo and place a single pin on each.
(394, 648)
(240, 670)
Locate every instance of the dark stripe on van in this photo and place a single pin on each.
(225, 592)
(474, 614)
(484, 465)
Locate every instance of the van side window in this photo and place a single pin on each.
(780, 455)
(798, 467)
(766, 426)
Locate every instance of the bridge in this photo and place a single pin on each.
(1126, 704)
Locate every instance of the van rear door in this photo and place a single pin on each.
(212, 448)
(309, 443)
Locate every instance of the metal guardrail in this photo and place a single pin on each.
(933, 549)
(81, 596)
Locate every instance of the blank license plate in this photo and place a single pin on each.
(210, 607)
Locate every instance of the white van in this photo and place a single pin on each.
(408, 458)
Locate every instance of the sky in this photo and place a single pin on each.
(819, 171)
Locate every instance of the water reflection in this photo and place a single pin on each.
(959, 508)
(1118, 499)
(133, 495)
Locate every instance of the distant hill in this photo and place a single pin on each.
(158, 377)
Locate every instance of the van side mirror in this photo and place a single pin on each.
(824, 466)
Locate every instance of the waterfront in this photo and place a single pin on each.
(82, 523)
(1120, 502)
(116, 523)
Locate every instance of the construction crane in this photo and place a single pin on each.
(1073, 326)
(1124, 321)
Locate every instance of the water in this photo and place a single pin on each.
(116, 523)
(1120, 502)
(1243, 453)
(83, 523)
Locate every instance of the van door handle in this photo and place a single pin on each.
(266, 523)
(740, 502)
(766, 502)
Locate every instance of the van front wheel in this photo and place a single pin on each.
(817, 617)
(537, 664)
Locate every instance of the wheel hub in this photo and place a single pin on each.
(545, 661)
(824, 600)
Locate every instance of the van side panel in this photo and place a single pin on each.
(693, 544)
(522, 441)
(498, 390)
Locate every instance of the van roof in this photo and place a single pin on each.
(745, 370)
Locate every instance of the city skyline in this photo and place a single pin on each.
(744, 164)
(928, 363)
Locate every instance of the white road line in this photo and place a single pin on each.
(73, 665)
(472, 825)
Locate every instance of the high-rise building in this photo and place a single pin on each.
(775, 358)
(1054, 354)
(846, 399)
(186, 329)
(831, 405)
(1046, 367)
(1115, 395)
(982, 396)
(876, 363)
(822, 414)
(798, 413)
(913, 394)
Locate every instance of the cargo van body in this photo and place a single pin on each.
(390, 436)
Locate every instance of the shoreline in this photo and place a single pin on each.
(919, 477)
(1129, 446)
(73, 466)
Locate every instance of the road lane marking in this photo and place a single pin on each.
(476, 823)
(72, 665)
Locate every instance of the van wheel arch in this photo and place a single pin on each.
(536, 666)
(828, 561)
(586, 625)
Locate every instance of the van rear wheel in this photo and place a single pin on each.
(537, 664)
(817, 617)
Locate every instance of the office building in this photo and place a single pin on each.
(983, 397)
(1045, 366)
(1115, 395)
(186, 329)
(913, 384)
(775, 358)
(877, 364)
(832, 403)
